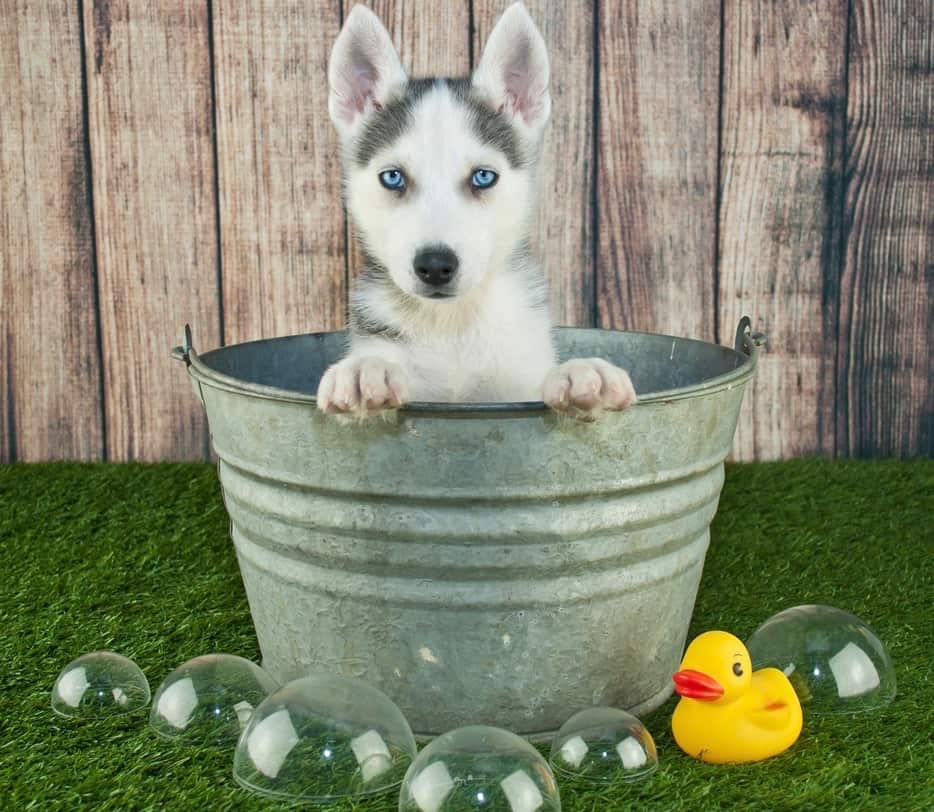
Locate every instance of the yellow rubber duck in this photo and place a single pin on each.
(727, 712)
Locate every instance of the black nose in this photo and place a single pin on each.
(435, 266)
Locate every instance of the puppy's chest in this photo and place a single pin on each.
(497, 364)
(449, 371)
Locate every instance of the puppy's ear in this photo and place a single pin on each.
(364, 72)
(513, 73)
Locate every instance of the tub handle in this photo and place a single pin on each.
(747, 342)
(183, 353)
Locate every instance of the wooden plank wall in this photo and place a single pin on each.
(51, 402)
(173, 162)
(780, 206)
(887, 276)
(657, 159)
(281, 224)
(152, 162)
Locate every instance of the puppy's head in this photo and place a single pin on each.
(439, 173)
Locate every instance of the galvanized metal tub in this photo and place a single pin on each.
(480, 563)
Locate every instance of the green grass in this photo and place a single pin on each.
(136, 559)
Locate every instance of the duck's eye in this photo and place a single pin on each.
(392, 179)
(483, 178)
(738, 669)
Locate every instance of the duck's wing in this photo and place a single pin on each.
(773, 706)
(772, 714)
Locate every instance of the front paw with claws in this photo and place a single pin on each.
(362, 386)
(583, 387)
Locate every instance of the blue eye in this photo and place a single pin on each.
(392, 179)
(483, 178)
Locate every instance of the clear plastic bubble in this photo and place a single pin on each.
(320, 738)
(101, 683)
(209, 699)
(835, 662)
(602, 745)
(479, 767)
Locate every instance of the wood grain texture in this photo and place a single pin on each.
(281, 222)
(657, 165)
(885, 383)
(50, 405)
(781, 182)
(563, 228)
(149, 102)
(432, 38)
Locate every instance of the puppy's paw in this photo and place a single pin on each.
(584, 386)
(362, 387)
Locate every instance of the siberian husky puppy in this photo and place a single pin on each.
(440, 180)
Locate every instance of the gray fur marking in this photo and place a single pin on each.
(536, 284)
(374, 274)
(361, 325)
(390, 123)
(489, 125)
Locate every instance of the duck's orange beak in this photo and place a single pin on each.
(697, 685)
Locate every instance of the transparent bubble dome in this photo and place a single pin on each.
(98, 684)
(320, 738)
(483, 768)
(209, 699)
(603, 745)
(835, 662)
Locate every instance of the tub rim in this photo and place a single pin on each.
(746, 347)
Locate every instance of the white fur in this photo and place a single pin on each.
(439, 153)
(491, 348)
(492, 340)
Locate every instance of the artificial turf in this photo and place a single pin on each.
(136, 559)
